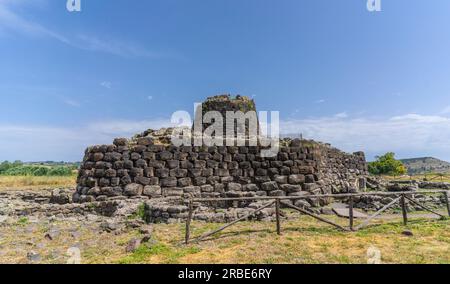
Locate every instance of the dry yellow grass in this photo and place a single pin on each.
(429, 177)
(12, 182)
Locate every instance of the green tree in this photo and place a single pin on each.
(387, 165)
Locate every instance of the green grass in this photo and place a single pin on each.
(22, 221)
(140, 213)
(168, 254)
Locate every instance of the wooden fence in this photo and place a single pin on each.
(399, 197)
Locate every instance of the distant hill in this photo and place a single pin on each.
(426, 165)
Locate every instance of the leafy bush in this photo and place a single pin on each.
(19, 169)
(5, 166)
(27, 171)
(387, 165)
(60, 171)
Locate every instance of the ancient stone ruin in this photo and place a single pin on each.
(148, 166)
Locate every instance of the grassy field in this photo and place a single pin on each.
(303, 240)
(36, 181)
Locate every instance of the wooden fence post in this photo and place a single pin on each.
(447, 201)
(350, 213)
(404, 212)
(188, 221)
(277, 209)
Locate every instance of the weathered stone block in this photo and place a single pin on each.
(207, 188)
(173, 191)
(162, 173)
(199, 181)
(104, 182)
(142, 180)
(296, 179)
(149, 155)
(221, 172)
(195, 172)
(269, 186)
(290, 188)
(152, 191)
(281, 179)
(172, 164)
(133, 189)
(169, 182)
(165, 155)
(98, 157)
(261, 172)
(232, 186)
(120, 141)
(145, 141)
(179, 173)
(250, 187)
(141, 163)
(137, 172)
(135, 156)
(183, 182)
(277, 193)
(199, 164)
(309, 179)
(306, 170)
(193, 191)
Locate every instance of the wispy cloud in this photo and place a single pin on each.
(408, 135)
(321, 101)
(341, 115)
(115, 47)
(127, 128)
(12, 21)
(40, 142)
(106, 84)
(72, 103)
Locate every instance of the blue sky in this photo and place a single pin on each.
(372, 81)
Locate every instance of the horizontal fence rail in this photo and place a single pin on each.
(400, 197)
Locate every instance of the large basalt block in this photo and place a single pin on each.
(133, 189)
(296, 179)
(153, 191)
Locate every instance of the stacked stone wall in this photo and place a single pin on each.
(156, 171)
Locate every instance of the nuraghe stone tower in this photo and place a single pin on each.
(148, 166)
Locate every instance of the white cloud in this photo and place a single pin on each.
(409, 135)
(72, 103)
(39, 143)
(341, 115)
(127, 128)
(416, 118)
(320, 101)
(106, 84)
